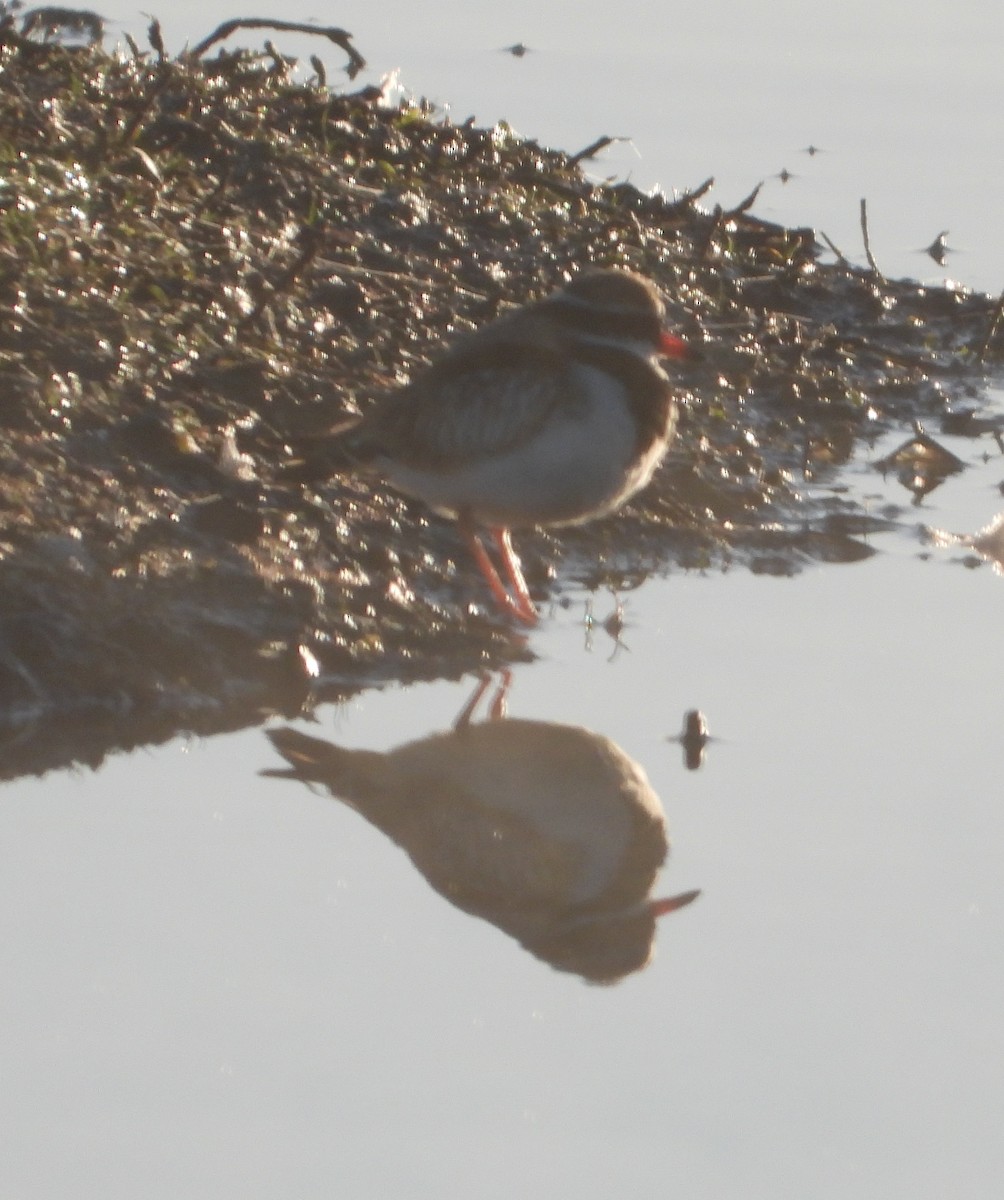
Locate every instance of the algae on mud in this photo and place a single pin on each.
(203, 260)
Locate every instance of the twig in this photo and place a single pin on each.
(312, 238)
(696, 193)
(280, 62)
(841, 258)
(157, 39)
(593, 149)
(743, 205)
(868, 247)
(397, 278)
(685, 202)
(995, 321)
(131, 128)
(339, 36)
(702, 250)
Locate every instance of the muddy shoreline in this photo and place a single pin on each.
(205, 259)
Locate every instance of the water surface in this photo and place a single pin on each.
(226, 985)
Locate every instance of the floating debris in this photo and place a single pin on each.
(939, 248)
(694, 739)
(921, 464)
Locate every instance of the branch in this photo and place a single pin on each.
(868, 248)
(338, 36)
(995, 320)
(841, 258)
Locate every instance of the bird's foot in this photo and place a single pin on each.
(518, 603)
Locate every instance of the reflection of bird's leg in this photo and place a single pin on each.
(497, 710)
(465, 714)
(521, 607)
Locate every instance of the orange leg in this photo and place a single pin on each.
(521, 606)
(514, 571)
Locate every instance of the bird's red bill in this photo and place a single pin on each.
(674, 347)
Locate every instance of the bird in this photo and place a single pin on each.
(555, 413)
(550, 832)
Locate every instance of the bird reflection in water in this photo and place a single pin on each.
(548, 831)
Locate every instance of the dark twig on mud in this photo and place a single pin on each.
(339, 36)
(841, 257)
(868, 246)
(156, 39)
(312, 239)
(684, 203)
(593, 149)
(743, 205)
(995, 324)
(132, 126)
(702, 247)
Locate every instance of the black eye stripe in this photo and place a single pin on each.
(615, 322)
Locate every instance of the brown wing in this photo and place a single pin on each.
(478, 402)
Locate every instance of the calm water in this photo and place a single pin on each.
(220, 985)
(224, 985)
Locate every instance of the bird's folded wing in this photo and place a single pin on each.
(472, 405)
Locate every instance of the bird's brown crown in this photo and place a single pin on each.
(609, 288)
(607, 303)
